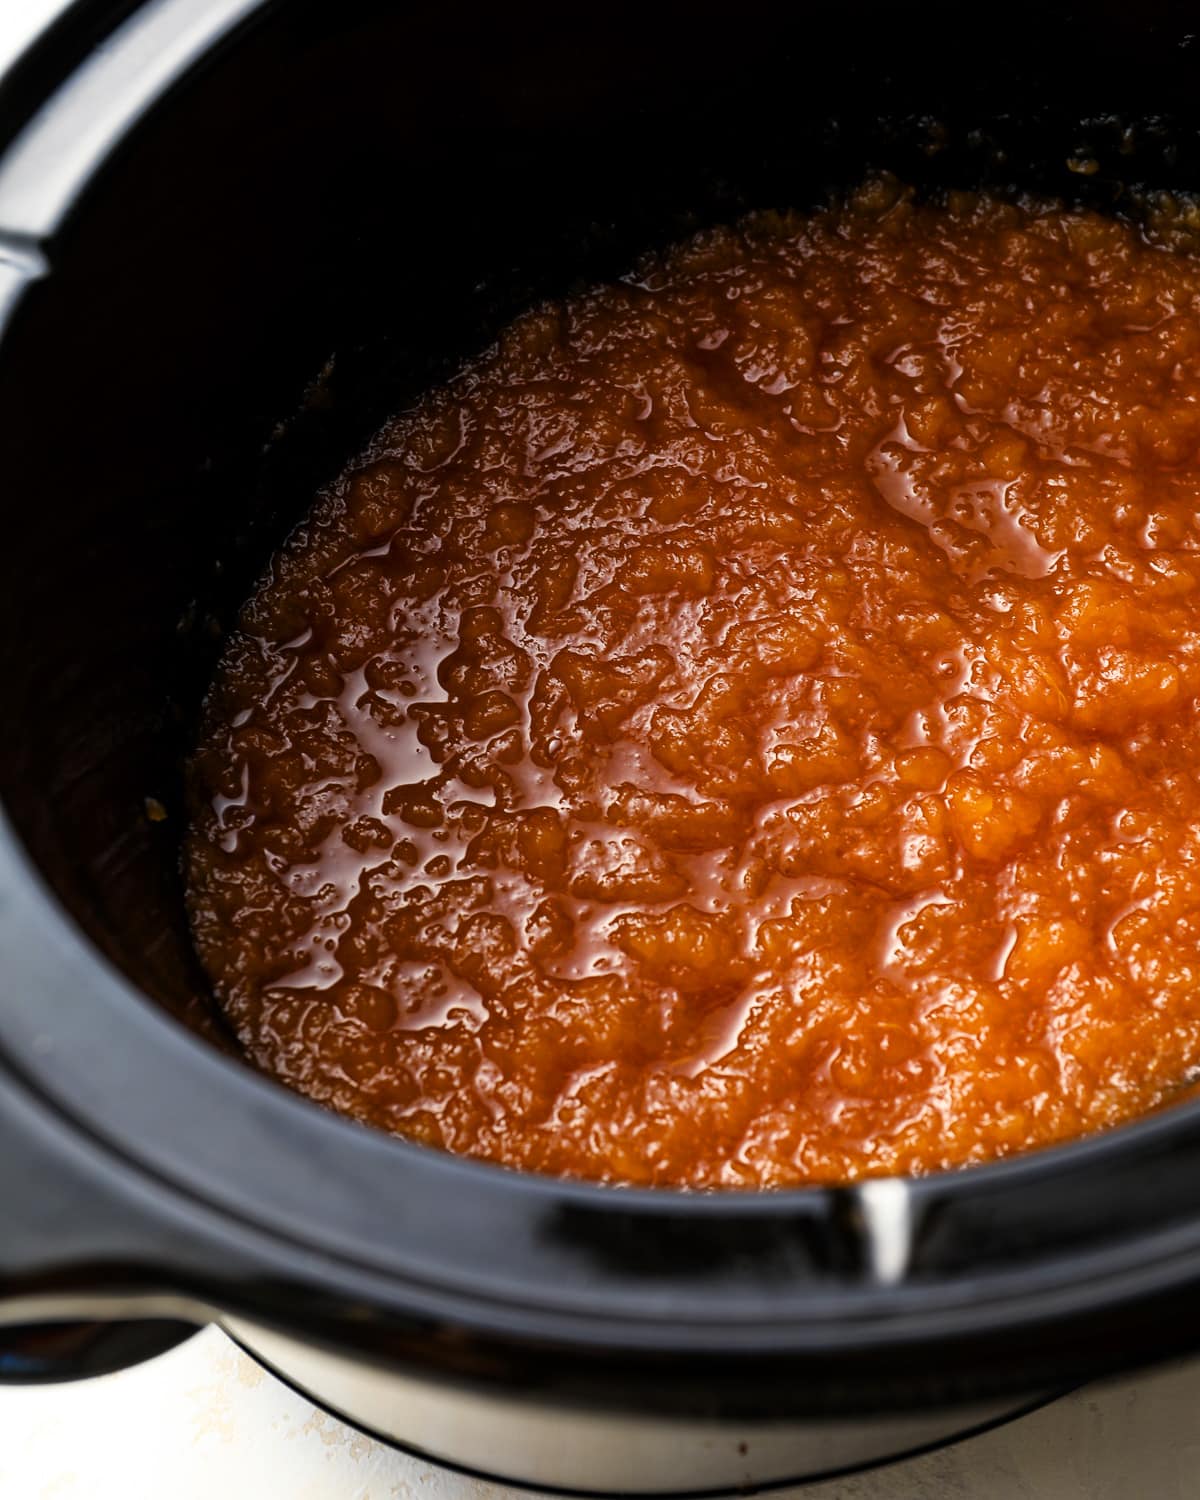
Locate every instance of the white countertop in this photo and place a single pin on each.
(205, 1423)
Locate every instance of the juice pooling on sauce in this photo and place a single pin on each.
(743, 730)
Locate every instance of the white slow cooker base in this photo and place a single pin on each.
(523, 1442)
(204, 1422)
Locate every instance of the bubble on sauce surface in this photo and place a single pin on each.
(741, 732)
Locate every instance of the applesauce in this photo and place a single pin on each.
(742, 731)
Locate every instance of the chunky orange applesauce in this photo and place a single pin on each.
(742, 731)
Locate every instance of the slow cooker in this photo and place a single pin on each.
(234, 235)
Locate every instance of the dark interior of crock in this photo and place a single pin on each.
(342, 206)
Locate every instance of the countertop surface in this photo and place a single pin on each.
(203, 1422)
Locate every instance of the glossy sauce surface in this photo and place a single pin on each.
(742, 731)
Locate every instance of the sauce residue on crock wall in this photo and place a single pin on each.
(742, 731)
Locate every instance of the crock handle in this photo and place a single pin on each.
(73, 1242)
(53, 1352)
